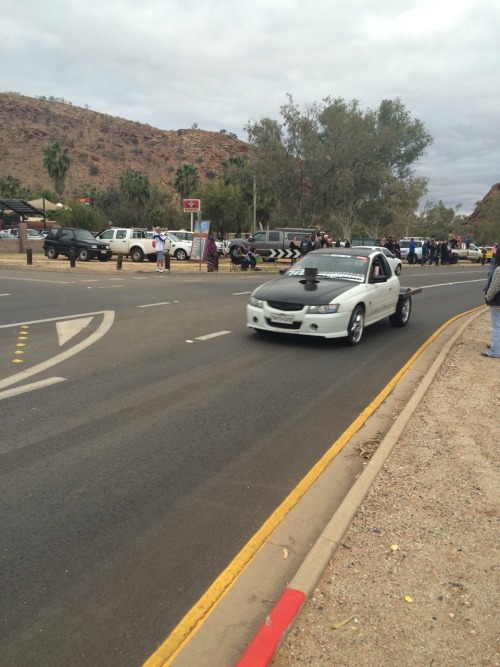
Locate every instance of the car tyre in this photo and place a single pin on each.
(180, 255)
(52, 253)
(136, 255)
(84, 255)
(356, 326)
(402, 315)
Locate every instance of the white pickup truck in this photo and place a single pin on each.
(473, 253)
(134, 243)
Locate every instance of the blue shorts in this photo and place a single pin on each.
(160, 255)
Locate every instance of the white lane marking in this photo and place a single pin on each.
(69, 328)
(37, 280)
(5, 294)
(152, 305)
(213, 335)
(240, 293)
(108, 286)
(30, 387)
(458, 282)
(103, 328)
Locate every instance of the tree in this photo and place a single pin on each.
(57, 163)
(9, 187)
(334, 162)
(186, 180)
(225, 206)
(136, 188)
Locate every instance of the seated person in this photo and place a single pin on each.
(252, 259)
(240, 256)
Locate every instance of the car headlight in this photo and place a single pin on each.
(94, 246)
(258, 303)
(325, 309)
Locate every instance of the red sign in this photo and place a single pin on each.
(191, 205)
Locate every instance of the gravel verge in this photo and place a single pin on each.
(415, 581)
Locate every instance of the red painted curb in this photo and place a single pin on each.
(264, 645)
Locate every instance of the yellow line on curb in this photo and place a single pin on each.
(198, 614)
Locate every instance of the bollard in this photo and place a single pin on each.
(29, 256)
(167, 260)
(216, 262)
(119, 261)
(72, 258)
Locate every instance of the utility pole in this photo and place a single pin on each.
(254, 205)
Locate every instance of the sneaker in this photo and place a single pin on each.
(158, 270)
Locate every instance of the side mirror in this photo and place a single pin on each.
(378, 279)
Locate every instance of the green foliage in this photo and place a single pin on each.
(57, 163)
(186, 180)
(79, 215)
(336, 164)
(225, 205)
(136, 188)
(9, 187)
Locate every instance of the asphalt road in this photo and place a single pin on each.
(130, 482)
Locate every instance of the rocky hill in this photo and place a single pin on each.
(101, 147)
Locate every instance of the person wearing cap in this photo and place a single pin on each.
(160, 239)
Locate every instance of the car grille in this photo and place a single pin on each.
(287, 307)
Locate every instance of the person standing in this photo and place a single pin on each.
(432, 251)
(484, 250)
(411, 252)
(492, 298)
(160, 239)
(425, 253)
(212, 253)
(295, 248)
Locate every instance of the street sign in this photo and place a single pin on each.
(191, 205)
(284, 254)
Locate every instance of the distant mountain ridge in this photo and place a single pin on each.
(101, 147)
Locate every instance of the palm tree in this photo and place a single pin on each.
(186, 180)
(136, 188)
(57, 163)
(9, 187)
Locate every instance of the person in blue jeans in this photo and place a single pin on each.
(492, 298)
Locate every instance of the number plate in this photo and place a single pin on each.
(283, 318)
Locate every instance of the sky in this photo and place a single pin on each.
(221, 64)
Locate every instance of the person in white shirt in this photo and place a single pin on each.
(160, 238)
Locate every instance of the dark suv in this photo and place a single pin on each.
(62, 240)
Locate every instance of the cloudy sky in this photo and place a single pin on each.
(222, 63)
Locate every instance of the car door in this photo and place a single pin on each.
(66, 241)
(383, 296)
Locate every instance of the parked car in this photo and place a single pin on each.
(64, 240)
(331, 293)
(31, 233)
(181, 250)
(394, 262)
(182, 234)
(404, 249)
(5, 234)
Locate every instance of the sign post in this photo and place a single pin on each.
(200, 240)
(191, 206)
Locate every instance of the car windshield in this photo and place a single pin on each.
(336, 267)
(173, 238)
(83, 235)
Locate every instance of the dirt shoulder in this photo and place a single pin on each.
(415, 581)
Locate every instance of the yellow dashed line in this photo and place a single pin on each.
(23, 335)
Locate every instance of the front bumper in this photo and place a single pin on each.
(299, 323)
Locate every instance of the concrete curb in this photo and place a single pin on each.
(266, 642)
